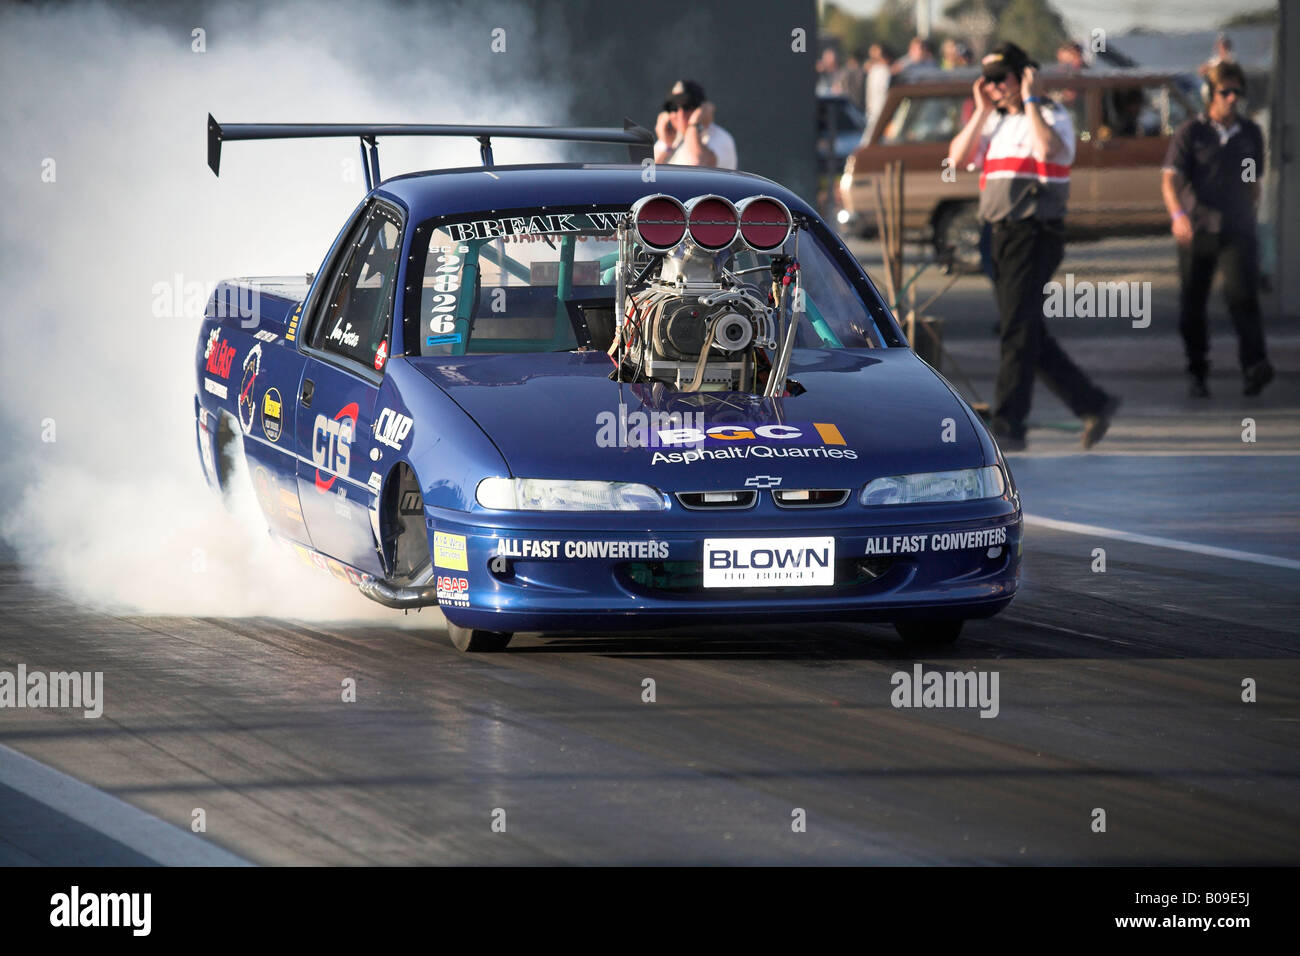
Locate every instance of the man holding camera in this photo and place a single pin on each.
(686, 134)
(1024, 145)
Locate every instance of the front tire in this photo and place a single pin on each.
(957, 237)
(474, 641)
(928, 633)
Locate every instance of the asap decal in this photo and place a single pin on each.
(220, 355)
(391, 428)
(331, 444)
(574, 550)
(453, 591)
(949, 541)
(737, 441)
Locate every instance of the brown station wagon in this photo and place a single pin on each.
(1123, 120)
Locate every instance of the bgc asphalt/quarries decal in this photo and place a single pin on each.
(247, 403)
(272, 415)
(391, 428)
(453, 591)
(737, 441)
(331, 444)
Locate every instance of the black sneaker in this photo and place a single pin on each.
(1095, 426)
(1199, 387)
(1257, 376)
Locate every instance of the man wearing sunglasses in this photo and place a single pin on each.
(1211, 187)
(1023, 145)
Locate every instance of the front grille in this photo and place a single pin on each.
(810, 497)
(686, 578)
(717, 500)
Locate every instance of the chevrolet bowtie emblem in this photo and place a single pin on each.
(762, 481)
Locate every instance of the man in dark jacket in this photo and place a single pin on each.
(1211, 187)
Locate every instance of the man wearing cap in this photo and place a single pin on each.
(687, 135)
(1024, 145)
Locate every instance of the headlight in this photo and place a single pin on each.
(547, 494)
(964, 485)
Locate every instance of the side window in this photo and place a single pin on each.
(359, 308)
(929, 119)
(1143, 110)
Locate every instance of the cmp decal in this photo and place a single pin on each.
(391, 428)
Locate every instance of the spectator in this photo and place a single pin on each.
(1024, 145)
(687, 135)
(920, 56)
(879, 73)
(1211, 203)
(1222, 54)
(854, 79)
(956, 54)
(1069, 57)
(828, 73)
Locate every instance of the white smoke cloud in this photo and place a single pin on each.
(114, 510)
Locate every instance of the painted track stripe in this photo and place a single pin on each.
(149, 836)
(1157, 542)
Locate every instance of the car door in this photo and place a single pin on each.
(346, 347)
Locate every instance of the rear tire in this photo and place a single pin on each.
(928, 633)
(474, 641)
(957, 237)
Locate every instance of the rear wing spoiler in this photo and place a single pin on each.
(639, 141)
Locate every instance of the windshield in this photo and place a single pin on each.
(543, 281)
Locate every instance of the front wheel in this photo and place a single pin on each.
(957, 237)
(475, 641)
(928, 633)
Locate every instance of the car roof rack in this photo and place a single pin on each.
(639, 141)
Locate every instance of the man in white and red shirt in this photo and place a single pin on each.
(1023, 146)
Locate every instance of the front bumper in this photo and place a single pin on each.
(519, 578)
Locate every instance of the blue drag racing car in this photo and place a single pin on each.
(562, 397)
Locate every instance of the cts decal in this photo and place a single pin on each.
(381, 355)
(449, 551)
(220, 355)
(247, 403)
(453, 591)
(216, 388)
(272, 415)
(391, 428)
(331, 444)
(574, 550)
(920, 543)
